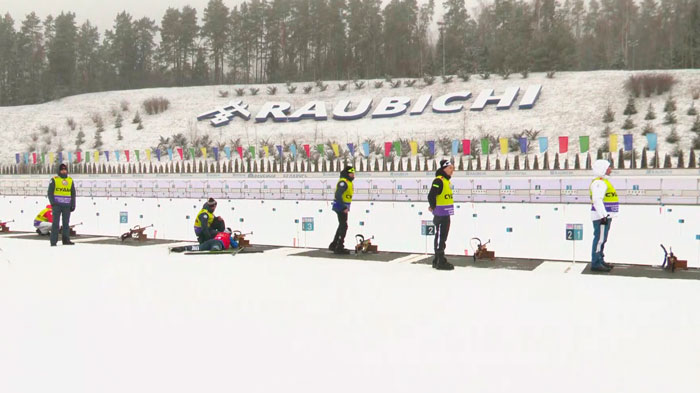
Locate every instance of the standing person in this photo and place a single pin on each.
(341, 207)
(43, 221)
(605, 205)
(442, 207)
(62, 198)
(222, 241)
(206, 224)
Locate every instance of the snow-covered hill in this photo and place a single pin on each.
(570, 104)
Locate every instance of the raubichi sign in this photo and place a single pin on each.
(279, 111)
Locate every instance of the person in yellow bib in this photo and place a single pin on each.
(605, 205)
(62, 198)
(44, 221)
(442, 207)
(206, 224)
(341, 206)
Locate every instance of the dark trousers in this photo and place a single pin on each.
(600, 237)
(61, 216)
(339, 239)
(442, 229)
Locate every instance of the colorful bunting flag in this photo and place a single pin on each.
(613, 143)
(651, 140)
(485, 146)
(544, 143)
(583, 144)
(563, 144)
(336, 149)
(628, 141)
(414, 148)
(466, 147)
(523, 145)
(504, 145)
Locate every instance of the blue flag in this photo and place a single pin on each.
(628, 142)
(216, 153)
(227, 150)
(351, 148)
(455, 147)
(17, 157)
(158, 154)
(279, 150)
(365, 148)
(70, 157)
(523, 145)
(116, 154)
(170, 153)
(544, 144)
(293, 150)
(651, 139)
(107, 155)
(60, 157)
(431, 147)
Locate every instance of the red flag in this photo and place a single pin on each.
(126, 153)
(466, 147)
(179, 151)
(34, 158)
(387, 148)
(307, 149)
(563, 144)
(79, 155)
(240, 151)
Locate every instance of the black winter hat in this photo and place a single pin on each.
(445, 163)
(211, 202)
(62, 167)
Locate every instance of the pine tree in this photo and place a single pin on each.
(673, 136)
(696, 125)
(650, 113)
(670, 118)
(137, 118)
(119, 135)
(79, 139)
(216, 26)
(98, 140)
(118, 121)
(670, 105)
(609, 116)
(630, 109)
(606, 132)
(628, 124)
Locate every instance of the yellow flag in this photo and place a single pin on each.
(97, 156)
(204, 152)
(613, 143)
(414, 148)
(267, 150)
(336, 150)
(504, 145)
(148, 154)
(51, 157)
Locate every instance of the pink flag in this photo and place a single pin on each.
(563, 144)
(240, 151)
(79, 155)
(466, 147)
(387, 148)
(34, 158)
(179, 151)
(307, 149)
(126, 153)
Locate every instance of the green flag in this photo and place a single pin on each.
(251, 149)
(137, 156)
(485, 146)
(583, 144)
(87, 156)
(397, 148)
(192, 153)
(43, 159)
(319, 148)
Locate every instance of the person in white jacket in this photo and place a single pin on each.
(605, 205)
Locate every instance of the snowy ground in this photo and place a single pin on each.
(95, 318)
(573, 104)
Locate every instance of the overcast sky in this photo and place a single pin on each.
(102, 14)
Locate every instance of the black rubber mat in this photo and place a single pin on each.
(379, 257)
(498, 263)
(134, 243)
(644, 271)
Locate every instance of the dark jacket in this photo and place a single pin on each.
(207, 233)
(436, 187)
(338, 203)
(52, 199)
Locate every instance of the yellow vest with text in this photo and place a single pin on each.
(198, 223)
(611, 200)
(61, 191)
(444, 206)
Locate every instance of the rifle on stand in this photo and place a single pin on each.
(136, 233)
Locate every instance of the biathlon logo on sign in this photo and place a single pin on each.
(345, 109)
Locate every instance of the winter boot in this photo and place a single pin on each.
(443, 264)
(340, 249)
(67, 242)
(600, 268)
(331, 247)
